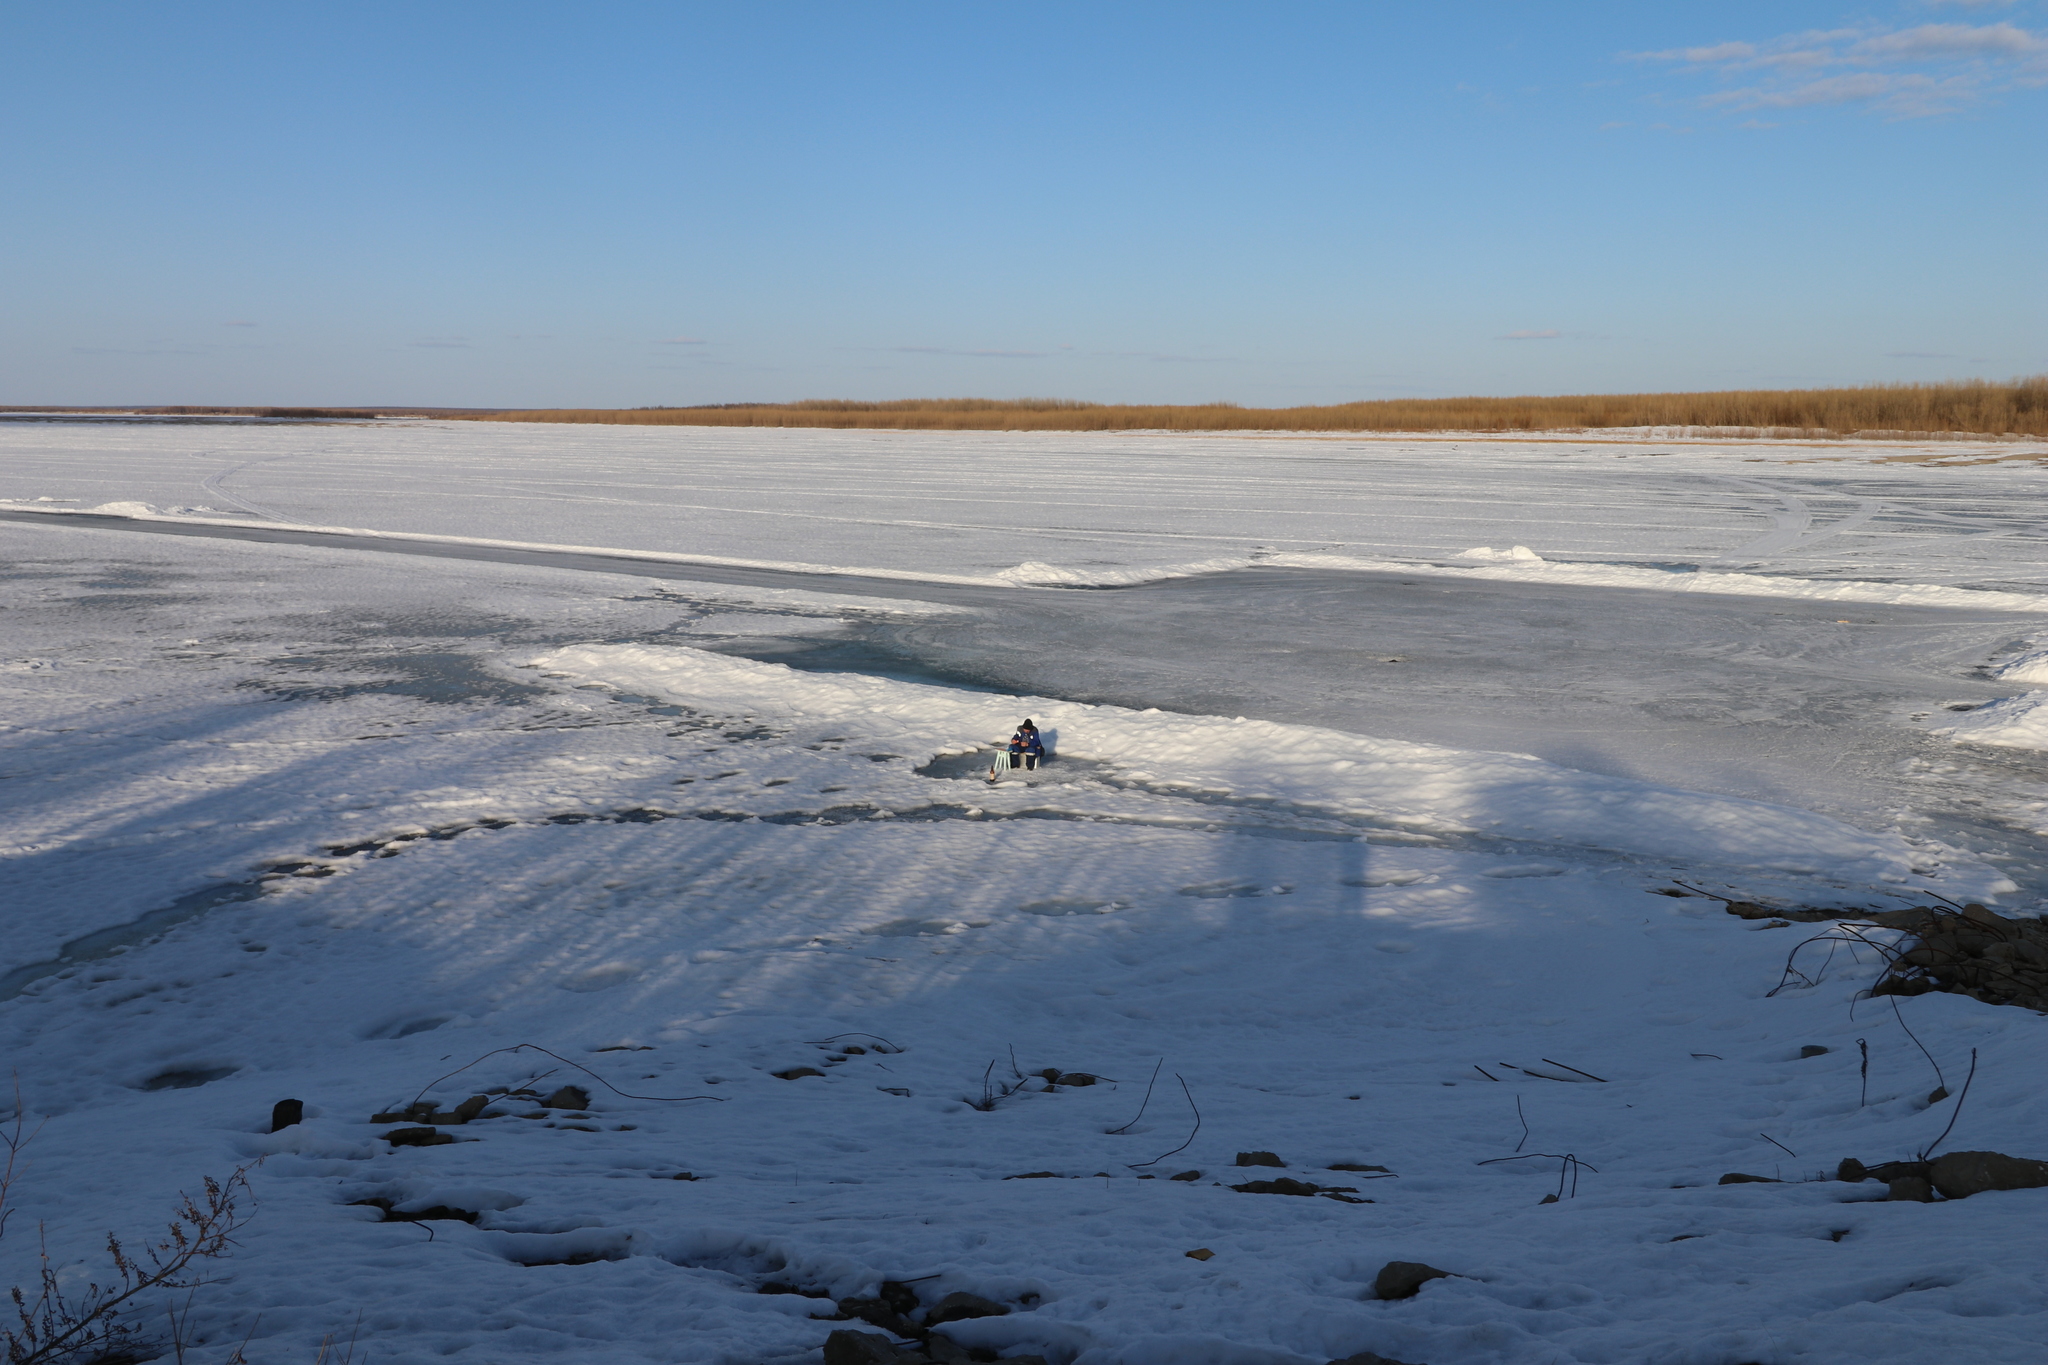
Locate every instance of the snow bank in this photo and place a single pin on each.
(2031, 667)
(1520, 564)
(1426, 786)
(2014, 723)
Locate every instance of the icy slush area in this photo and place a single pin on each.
(595, 812)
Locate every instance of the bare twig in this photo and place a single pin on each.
(886, 1044)
(1863, 1087)
(1191, 1136)
(1569, 1164)
(1147, 1100)
(536, 1047)
(1834, 936)
(1525, 1124)
(14, 1137)
(1484, 1072)
(1575, 1071)
(1779, 1145)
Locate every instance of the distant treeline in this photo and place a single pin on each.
(1977, 407)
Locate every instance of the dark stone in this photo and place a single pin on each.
(1852, 1170)
(1738, 1178)
(855, 1051)
(1962, 1174)
(864, 1348)
(1911, 1189)
(795, 1073)
(943, 1350)
(1354, 1166)
(1186, 1175)
(876, 1313)
(1283, 1185)
(568, 1097)
(1547, 1199)
(1258, 1159)
(1401, 1279)
(1368, 1358)
(955, 1307)
(1035, 1175)
(898, 1296)
(1813, 1050)
(285, 1113)
(1075, 1078)
(471, 1107)
(417, 1137)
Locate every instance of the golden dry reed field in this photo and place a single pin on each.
(2017, 407)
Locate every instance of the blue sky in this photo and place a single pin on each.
(516, 203)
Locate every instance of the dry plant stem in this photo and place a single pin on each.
(1779, 1145)
(1525, 1124)
(1191, 1135)
(1835, 936)
(887, 1046)
(1955, 1113)
(1939, 1079)
(1863, 1087)
(1574, 1070)
(1875, 411)
(1570, 1165)
(56, 1327)
(536, 1047)
(15, 1136)
(1112, 1132)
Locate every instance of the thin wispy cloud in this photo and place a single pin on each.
(1921, 355)
(1162, 357)
(682, 341)
(238, 323)
(989, 354)
(442, 343)
(1902, 73)
(1547, 334)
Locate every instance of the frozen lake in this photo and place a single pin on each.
(342, 755)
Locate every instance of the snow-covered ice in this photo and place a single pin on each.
(1363, 842)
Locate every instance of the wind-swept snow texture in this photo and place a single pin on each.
(370, 819)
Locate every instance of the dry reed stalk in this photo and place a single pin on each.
(1986, 408)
